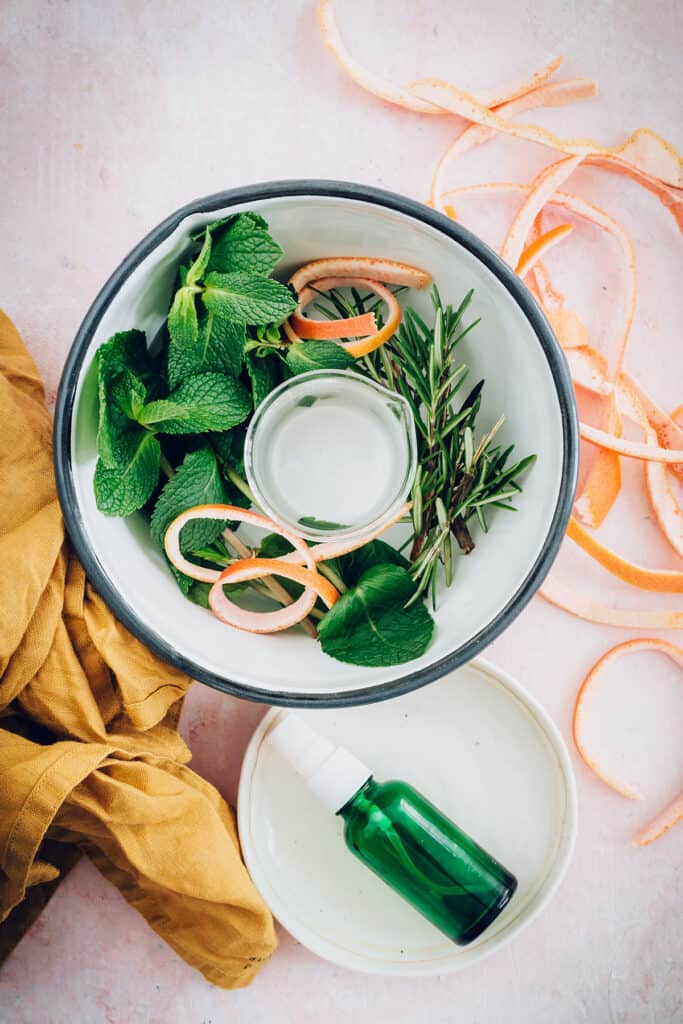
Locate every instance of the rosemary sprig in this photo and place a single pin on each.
(460, 475)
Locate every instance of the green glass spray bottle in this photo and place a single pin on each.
(401, 836)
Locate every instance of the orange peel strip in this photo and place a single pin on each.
(553, 94)
(669, 432)
(631, 449)
(603, 483)
(268, 622)
(664, 505)
(537, 249)
(403, 97)
(594, 215)
(644, 149)
(374, 267)
(361, 346)
(233, 513)
(674, 811)
(557, 593)
(666, 509)
(349, 327)
(336, 548)
(589, 369)
(665, 820)
(540, 192)
(666, 581)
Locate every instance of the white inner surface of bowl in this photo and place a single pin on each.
(479, 749)
(503, 349)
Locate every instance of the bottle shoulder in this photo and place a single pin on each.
(390, 796)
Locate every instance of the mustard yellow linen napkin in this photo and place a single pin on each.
(89, 750)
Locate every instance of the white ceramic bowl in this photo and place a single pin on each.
(513, 349)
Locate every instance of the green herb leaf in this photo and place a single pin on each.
(377, 552)
(197, 482)
(121, 362)
(127, 393)
(244, 244)
(264, 376)
(216, 347)
(247, 298)
(198, 593)
(317, 355)
(274, 545)
(370, 625)
(125, 487)
(320, 524)
(207, 401)
(196, 272)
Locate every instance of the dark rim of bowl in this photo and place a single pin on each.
(551, 349)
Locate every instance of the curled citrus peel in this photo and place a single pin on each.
(349, 327)
(552, 94)
(402, 97)
(667, 581)
(246, 569)
(644, 149)
(563, 596)
(674, 811)
(223, 512)
(374, 267)
(542, 189)
(361, 346)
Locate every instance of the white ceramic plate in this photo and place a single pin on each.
(513, 349)
(478, 747)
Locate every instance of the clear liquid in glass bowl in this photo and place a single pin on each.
(331, 454)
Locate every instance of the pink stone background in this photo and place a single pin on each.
(112, 114)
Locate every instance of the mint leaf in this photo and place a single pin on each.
(274, 545)
(317, 355)
(247, 298)
(127, 393)
(207, 401)
(264, 376)
(120, 362)
(370, 625)
(196, 271)
(376, 552)
(244, 244)
(217, 347)
(198, 593)
(183, 332)
(122, 489)
(197, 482)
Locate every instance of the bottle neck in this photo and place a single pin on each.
(361, 800)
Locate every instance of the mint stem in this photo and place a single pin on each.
(334, 577)
(166, 467)
(240, 484)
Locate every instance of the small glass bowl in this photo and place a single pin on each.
(330, 453)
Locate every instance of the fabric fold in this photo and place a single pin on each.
(90, 754)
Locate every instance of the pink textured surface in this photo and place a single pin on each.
(115, 114)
